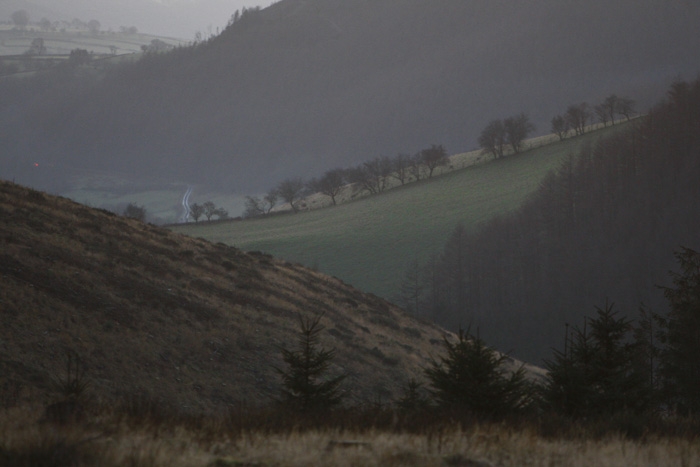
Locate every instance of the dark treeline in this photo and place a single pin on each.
(604, 226)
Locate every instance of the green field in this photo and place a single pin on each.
(370, 242)
(14, 42)
(105, 47)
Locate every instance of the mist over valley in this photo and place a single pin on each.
(301, 87)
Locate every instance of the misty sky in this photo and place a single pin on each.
(174, 18)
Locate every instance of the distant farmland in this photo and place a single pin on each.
(370, 242)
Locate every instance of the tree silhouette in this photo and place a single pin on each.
(196, 211)
(434, 157)
(493, 138)
(290, 190)
(209, 209)
(330, 184)
(680, 357)
(597, 373)
(473, 378)
(134, 211)
(577, 116)
(517, 128)
(304, 386)
(560, 126)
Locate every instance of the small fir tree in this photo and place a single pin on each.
(473, 378)
(680, 357)
(304, 385)
(414, 398)
(569, 375)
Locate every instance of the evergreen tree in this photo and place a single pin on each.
(597, 373)
(680, 357)
(569, 387)
(413, 399)
(304, 386)
(646, 351)
(620, 386)
(472, 378)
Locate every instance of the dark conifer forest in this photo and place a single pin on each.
(604, 227)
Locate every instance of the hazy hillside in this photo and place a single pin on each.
(179, 18)
(189, 323)
(303, 86)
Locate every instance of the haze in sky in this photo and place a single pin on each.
(172, 18)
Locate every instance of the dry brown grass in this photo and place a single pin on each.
(110, 438)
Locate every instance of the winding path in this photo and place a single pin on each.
(186, 205)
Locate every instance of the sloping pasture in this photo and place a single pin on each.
(370, 242)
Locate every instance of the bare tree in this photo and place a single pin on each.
(330, 184)
(401, 167)
(380, 169)
(209, 209)
(560, 127)
(196, 211)
(434, 157)
(517, 128)
(290, 190)
(221, 213)
(626, 107)
(372, 175)
(253, 207)
(602, 114)
(577, 116)
(417, 169)
(493, 138)
(37, 47)
(610, 106)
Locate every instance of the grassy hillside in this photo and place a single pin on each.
(191, 324)
(370, 242)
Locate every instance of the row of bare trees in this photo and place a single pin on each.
(207, 209)
(578, 116)
(501, 134)
(372, 176)
(21, 19)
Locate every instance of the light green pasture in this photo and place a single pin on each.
(369, 242)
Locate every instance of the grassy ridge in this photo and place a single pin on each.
(369, 242)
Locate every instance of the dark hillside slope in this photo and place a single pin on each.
(604, 227)
(303, 86)
(179, 320)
